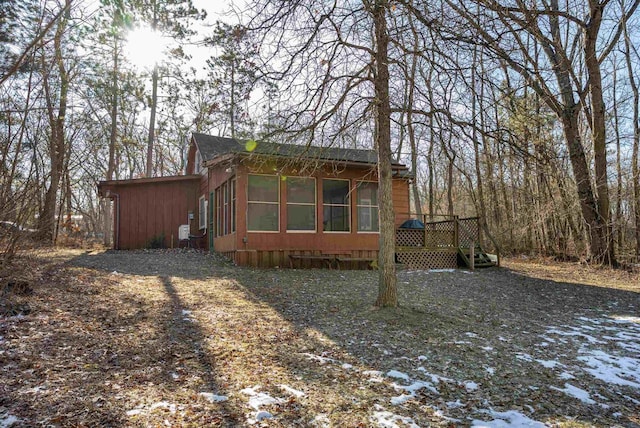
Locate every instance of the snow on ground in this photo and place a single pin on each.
(609, 349)
(388, 419)
(7, 420)
(510, 419)
(213, 398)
(159, 405)
(576, 392)
(606, 350)
(257, 400)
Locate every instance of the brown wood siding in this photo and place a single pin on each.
(401, 204)
(151, 209)
(269, 249)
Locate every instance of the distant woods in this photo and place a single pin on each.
(524, 113)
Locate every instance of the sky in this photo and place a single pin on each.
(144, 47)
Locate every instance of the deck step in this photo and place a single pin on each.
(480, 258)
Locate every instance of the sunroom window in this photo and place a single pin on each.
(335, 204)
(367, 206)
(263, 203)
(202, 213)
(301, 204)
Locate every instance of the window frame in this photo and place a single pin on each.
(218, 222)
(306, 204)
(370, 206)
(347, 205)
(202, 212)
(232, 185)
(277, 203)
(225, 208)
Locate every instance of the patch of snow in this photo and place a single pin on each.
(401, 399)
(163, 405)
(509, 419)
(441, 270)
(487, 348)
(454, 404)
(347, 366)
(574, 333)
(213, 398)
(398, 375)
(411, 389)
(258, 399)
(524, 357)
(263, 414)
(292, 391)
(434, 377)
(613, 369)
(135, 411)
(422, 358)
(549, 363)
(470, 334)
(471, 386)
(321, 420)
(7, 420)
(625, 319)
(490, 370)
(262, 399)
(387, 419)
(175, 376)
(566, 376)
(575, 392)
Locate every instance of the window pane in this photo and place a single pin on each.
(368, 219)
(301, 190)
(301, 217)
(335, 192)
(263, 188)
(336, 218)
(367, 193)
(262, 217)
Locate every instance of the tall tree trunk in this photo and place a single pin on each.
(481, 208)
(619, 219)
(46, 222)
(106, 203)
(152, 121)
(387, 281)
(154, 102)
(606, 254)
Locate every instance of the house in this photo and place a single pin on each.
(261, 204)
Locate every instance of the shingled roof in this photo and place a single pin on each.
(211, 147)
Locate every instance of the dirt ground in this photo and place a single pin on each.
(181, 338)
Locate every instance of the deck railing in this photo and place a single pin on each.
(451, 232)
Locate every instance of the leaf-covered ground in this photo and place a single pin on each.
(174, 338)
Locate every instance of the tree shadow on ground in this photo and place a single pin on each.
(316, 331)
(95, 353)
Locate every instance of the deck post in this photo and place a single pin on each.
(456, 231)
(424, 235)
(472, 249)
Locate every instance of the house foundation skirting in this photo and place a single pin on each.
(304, 259)
(428, 259)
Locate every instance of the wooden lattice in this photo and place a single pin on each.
(410, 237)
(426, 259)
(440, 234)
(468, 232)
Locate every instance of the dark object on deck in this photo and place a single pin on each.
(412, 223)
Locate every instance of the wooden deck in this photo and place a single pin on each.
(445, 244)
